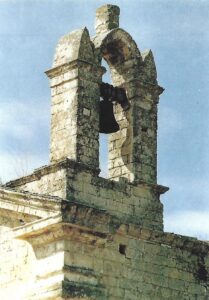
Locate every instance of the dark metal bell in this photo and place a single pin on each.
(107, 122)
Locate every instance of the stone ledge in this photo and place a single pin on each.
(73, 215)
(123, 183)
(45, 170)
(10, 193)
(78, 167)
(37, 205)
(100, 226)
(69, 66)
(167, 239)
(51, 229)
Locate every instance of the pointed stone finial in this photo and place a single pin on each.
(72, 46)
(149, 70)
(107, 18)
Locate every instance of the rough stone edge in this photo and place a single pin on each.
(45, 170)
(78, 167)
(109, 225)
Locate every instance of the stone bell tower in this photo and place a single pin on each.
(76, 77)
(71, 234)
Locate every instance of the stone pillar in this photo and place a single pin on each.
(133, 150)
(75, 80)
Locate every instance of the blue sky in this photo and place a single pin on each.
(175, 30)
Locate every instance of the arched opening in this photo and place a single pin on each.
(122, 59)
(103, 138)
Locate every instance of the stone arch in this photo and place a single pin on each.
(125, 61)
(121, 53)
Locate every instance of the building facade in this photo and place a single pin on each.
(66, 232)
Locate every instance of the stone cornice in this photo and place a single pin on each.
(100, 226)
(56, 228)
(28, 203)
(167, 239)
(56, 71)
(45, 170)
(73, 165)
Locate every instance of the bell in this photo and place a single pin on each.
(107, 122)
(111, 93)
(122, 98)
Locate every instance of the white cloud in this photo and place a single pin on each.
(11, 121)
(190, 223)
(14, 113)
(14, 166)
(21, 119)
(23, 130)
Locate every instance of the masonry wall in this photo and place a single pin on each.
(144, 271)
(88, 254)
(16, 265)
(131, 202)
(18, 261)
